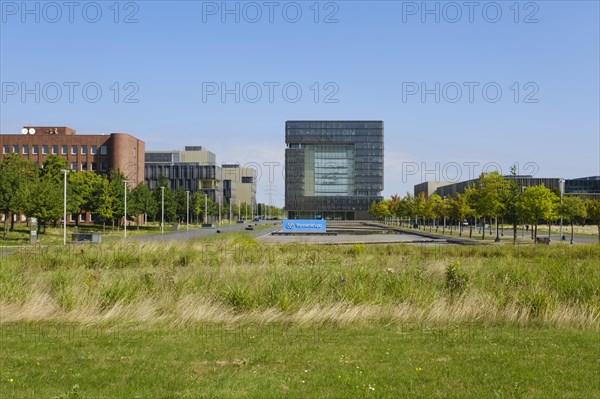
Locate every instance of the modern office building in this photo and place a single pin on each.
(587, 186)
(428, 188)
(334, 169)
(193, 169)
(584, 186)
(98, 153)
(239, 184)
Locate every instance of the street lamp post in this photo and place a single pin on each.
(65, 171)
(125, 210)
(522, 222)
(162, 211)
(205, 208)
(187, 213)
(561, 183)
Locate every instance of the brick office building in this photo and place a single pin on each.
(99, 153)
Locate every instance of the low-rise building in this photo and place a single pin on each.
(99, 153)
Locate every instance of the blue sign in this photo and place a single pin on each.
(309, 226)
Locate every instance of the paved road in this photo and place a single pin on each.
(554, 237)
(198, 233)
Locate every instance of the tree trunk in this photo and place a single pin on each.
(515, 232)
(571, 231)
(6, 225)
(12, 222)
(483, 228)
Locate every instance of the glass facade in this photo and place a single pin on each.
(334, 169)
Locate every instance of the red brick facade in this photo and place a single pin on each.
(99, 153)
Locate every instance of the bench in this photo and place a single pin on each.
(542, 240)
(94, 238)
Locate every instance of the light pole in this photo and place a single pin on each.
(205, 208)
(523, 222)
(125, 210)
(65, 171)
(220, 198)
(187, 213)
(162, 211)
(561, 183)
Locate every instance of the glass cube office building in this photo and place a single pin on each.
(334, 169)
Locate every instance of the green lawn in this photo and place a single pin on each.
(226, 316)
(376, 361)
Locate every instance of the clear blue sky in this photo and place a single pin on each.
(372, 57)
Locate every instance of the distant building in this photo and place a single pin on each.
(428, 188)
(99, 153)
(239, 184)
(193, 169)
(588, 186)
(585, 186)
(334, 169)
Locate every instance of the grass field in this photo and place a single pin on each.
(228, 317)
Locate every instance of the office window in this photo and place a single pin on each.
(64, 150)
(84, 150)
(25, 150)
(94, 167)
(55, 149)
(5, 149)
(44, 150)
(74, 166)
(83, 166)
(15, 149)
(103, 150)
(93, 150)
(35, 149)
(82, 217)
(73, 150)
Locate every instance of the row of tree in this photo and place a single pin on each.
(27, 190)
(493, 198)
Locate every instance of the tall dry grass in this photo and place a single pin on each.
(239, 280)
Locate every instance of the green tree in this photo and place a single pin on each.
(106, 202)
(199, 202)
(572, 208)
(142, 202)
(511, 197)
(539, 203)
(170, 206)
(458, 209)
(117, 187)
(84, 192)
(485, 198)
(15, 171)
(592, 207)
(379, 210)
(180, 197)
(432, 208)
(54, 166)
(42, 198)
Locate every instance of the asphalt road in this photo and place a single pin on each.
(184, 235)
